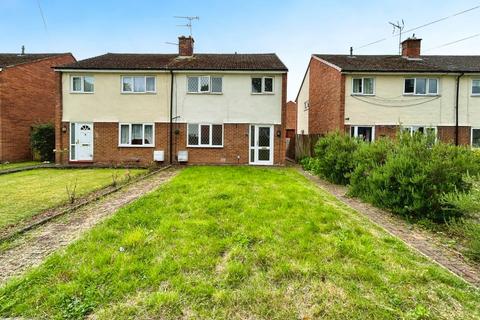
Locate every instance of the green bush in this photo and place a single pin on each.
(310, 164)
(467, 228)
(367, 158)
(42, 141)
(409, 175)
(334, 157)
(415, 177)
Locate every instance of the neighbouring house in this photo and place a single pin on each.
(291, 119)
(173, 108)
(290, 125)
(28, 90)
(371, 96)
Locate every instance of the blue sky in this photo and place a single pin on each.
(292, 29)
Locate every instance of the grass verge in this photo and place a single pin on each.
(17, 165)
(26, 193)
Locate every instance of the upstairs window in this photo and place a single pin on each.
(136, 135)
(82, 84)
(262, 85)
(363, 86)
(306, 105)
(421, 86)
(204, 135)
(138, 84)
(476, 87)
(204, 84)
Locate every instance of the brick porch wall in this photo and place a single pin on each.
(27, 97)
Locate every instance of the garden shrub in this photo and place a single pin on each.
(467, 228)
(409, 175)
(367, 158)
(42, 141)
(416, 175)
(310, 164)
(334, 157)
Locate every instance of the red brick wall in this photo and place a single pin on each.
(105, 145)
(27, 97)
(386, 131)
(291, 115)
(447, 134)
(106, 149)
(326, 99)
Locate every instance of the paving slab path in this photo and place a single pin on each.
(420, 240)
(32, 247)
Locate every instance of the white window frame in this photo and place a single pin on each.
(82, 84)
(471, 88)
(209, 84)
(130, 135)
(415, 128)
(355, 130)
(471, 137)
(209, 145)
(263, 85)
(306, 105)
(133, 84)
(427, 85)
(363, 86)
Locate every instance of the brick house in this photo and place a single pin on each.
(291, 119)
(374, 95)
(185, 107)
(28, 90)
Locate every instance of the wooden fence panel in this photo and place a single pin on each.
(305, 145)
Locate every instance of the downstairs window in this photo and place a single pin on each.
(136, 135)
(204, 135)
(366, 133)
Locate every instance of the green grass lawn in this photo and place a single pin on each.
(26, 193)
(238, 243)
(15, 165)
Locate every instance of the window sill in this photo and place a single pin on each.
(78, 92)
(136, 146)
(207, 93)
(262, 93)
(421, 95)
(362, 94)
(138, 92)
(475, 95)
(205, 147)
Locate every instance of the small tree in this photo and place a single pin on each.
(42, 140)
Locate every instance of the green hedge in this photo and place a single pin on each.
(409, 175)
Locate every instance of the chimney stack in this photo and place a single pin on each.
(185, 46)
(411, 47)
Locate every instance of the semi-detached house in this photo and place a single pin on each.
(185, 107)
(370, 96)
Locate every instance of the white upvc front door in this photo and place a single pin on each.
(261, 144)
(81, 141)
